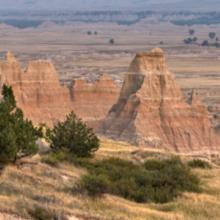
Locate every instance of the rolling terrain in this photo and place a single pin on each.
(36, 184)
(83, 40)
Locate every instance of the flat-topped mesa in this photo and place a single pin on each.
(148, 63)
(151, 111)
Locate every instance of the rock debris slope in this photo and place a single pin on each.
(152, 112)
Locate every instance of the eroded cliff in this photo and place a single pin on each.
(43, 100)
(152, 112)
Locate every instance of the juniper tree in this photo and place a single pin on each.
(74, 137)
(18, 136)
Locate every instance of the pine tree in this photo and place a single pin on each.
(74, 137)
(18, 136)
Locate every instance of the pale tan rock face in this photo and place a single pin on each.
(37, 90)
(43, 100)
(92, 101)
(151, 111)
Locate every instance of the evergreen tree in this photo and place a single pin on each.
(74, 137)
(17, 135)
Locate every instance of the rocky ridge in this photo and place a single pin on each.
(151, 110)
(43, 100)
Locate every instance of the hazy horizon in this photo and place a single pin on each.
(110, 5)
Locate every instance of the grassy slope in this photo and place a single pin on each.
(36, 183)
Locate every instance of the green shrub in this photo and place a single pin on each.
(96, 185)
(154, 181)
(197, 163)
(54, 158)
(40, 213)
(17, 135)
(74, 137)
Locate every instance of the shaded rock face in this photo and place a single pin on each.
(92, 101)
(151, 111)
(43, 100)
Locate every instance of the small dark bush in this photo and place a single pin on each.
(188, 41)
(40, 213)
(197, 163)
(96, 185)
(73, 137)
(205, 43)
(154, 181)
(54, 158)
(111, 41)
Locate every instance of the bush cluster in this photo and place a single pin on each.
(197, 163)
(154, 181)
(42, 213)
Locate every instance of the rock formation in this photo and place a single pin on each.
(152, 112)
(43, 100)
(92, 101)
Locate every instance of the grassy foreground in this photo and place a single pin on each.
(35, 185)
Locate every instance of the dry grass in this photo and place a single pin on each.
(35, 183)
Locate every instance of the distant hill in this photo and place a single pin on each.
(112, 4)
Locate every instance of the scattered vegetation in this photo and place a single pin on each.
(192, 39)
(18, 136)
(191, 32)
(41, 213)
(214, 40)
(212, 35)
(54, 158)
(73, 137)
(197, 163)
(154, 181)
(205, 43)
(111, 41)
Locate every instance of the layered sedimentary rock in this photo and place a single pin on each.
(92, 101)
(37, 90)
(152, 112)
(43, 100)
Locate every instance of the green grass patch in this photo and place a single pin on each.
(154, 181)
(54, 158)
(42, 213)
(197, 163)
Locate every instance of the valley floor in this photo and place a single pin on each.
(34, 183)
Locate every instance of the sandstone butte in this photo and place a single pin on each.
(151, 110)
(43, 99)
